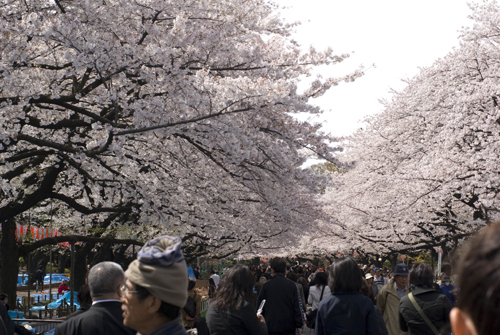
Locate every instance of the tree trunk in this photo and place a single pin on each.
(121, 258)
(9, 259)
(62, 260)
(393, 258)
(80, 268)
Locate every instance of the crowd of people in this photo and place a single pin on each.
(154, 296)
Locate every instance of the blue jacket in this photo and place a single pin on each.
(446, 290)
(348, 313)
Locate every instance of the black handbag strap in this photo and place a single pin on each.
(322, 291)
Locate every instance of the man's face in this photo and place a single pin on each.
(378, 273)
(135, 312)
(401, 281)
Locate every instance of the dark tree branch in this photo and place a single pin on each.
(26, 248)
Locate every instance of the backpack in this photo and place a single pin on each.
(190, 307)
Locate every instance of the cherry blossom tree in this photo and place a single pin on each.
(425, 170)
(133, 117)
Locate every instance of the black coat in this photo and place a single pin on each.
(348, 313)
(281, 311)
(435, 305)
(234, 322)
(103, 318)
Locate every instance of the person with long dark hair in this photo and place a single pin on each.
(211, 289)
(233, 311)
(425, 310)
(346, 311)
(320, 286)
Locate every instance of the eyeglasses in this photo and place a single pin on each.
(124, 289)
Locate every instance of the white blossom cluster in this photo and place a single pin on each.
(172, 116)
(425, 170)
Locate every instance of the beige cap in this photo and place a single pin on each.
(368, 276)
(160, 267)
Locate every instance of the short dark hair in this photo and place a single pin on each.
(278, 264)
(83, 295)
(480, 293)
(421, 275)
(168, 310)
(3, 296)
(235, 288)
(302, 281)
(345, 276)
(321, 279)
(292, 276)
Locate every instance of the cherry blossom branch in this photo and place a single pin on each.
(172, 124)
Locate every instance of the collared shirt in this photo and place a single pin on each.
(400, 293)
(104, 300)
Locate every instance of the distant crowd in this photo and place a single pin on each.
(154, 296)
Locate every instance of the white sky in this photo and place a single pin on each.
(398, 36)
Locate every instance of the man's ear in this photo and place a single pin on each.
(461, 323)
(118, 291)
(153, 304)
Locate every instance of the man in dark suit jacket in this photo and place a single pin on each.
(105, 282)
(281, 310)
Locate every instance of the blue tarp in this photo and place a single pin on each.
(20, 280)
(191, 275)
(57, 303)
(16, 314)
(56, 278)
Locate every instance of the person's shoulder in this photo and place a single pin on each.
(247, 305)
(101, 309)
(331, 300)
(362, 297)
(212, 309)
(385, 288)
(405, 299)
(69, 325)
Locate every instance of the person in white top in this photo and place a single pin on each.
(320, 281)
(378, 280)
(215, 277)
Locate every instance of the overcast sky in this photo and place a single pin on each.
(398, 36)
